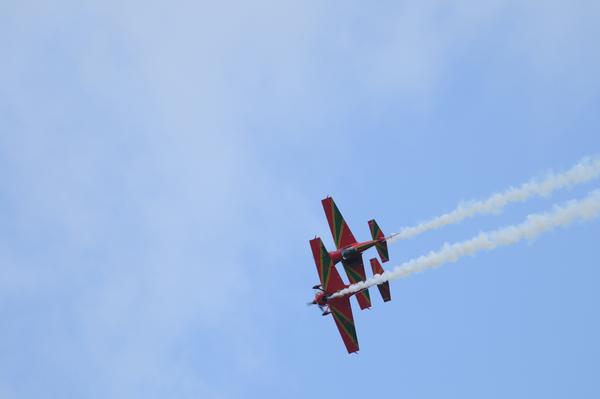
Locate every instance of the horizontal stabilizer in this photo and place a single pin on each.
(384, 288)
(381, 245)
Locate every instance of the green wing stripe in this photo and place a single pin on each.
(325, 266)
(353, 274)
(347, 325)
(367, 294)
(355, 277)
(338, 224)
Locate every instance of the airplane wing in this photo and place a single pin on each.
(339, 229)
(328, 275)
(331, 282)
(355, 269)
(342, 314)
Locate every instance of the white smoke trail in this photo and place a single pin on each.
(534, 225)
(587, 169)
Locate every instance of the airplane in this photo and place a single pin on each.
(349, 252)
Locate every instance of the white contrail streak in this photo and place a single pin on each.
(587, 169)
(534, 225)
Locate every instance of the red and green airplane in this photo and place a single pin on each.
(349, 253)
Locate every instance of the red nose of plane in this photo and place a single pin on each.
(320, 299)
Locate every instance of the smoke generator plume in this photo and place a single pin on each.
(585, 170)
(533, 226)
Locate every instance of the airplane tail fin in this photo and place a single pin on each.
(384, 288)
(381, 245)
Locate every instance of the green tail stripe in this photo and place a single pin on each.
(375, 230)
(382, 251)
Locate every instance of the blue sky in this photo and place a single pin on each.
(163, 166)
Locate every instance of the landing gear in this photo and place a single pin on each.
(325, 310)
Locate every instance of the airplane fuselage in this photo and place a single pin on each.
(351, 251)
(322, 298)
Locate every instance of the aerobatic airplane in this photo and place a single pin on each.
(349, 253)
